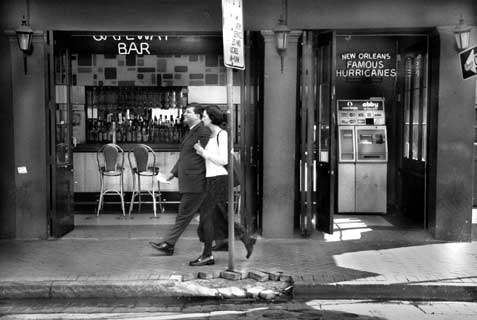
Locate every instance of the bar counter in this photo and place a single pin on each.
(94, 147)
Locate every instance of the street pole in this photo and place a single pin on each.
(232, 37)
(230, 147)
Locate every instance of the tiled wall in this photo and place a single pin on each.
(148, 70)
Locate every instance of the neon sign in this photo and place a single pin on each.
(366, 64)
(131, 44)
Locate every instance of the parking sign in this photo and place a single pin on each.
(232, 34)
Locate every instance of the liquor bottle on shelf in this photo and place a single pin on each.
(133, 131)
(128, 132)
(99, 132)
(119, 132)
(111, 132)
(96, 131)
(162, 130)
(153, 132)
(138, 132)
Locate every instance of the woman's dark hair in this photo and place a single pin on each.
(216, 115)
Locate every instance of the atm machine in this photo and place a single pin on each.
(363, 156)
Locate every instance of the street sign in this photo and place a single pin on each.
(468, 62)
(232, 33)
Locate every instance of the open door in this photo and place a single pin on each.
(60, 155)
(325, 49)
(251, 131)
(307, 151)
(413, 97)
(317, 155)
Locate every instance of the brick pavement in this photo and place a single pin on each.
(378, 261)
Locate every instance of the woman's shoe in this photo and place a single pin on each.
(201, 261)
(249, 242)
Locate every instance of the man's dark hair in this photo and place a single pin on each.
(216, 115)
(198, 108)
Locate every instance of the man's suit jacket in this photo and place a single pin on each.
(190, 167)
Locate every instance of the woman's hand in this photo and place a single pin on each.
(198, 148)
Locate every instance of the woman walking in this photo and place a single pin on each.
(213, 213)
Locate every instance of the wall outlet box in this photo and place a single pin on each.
(22, 170)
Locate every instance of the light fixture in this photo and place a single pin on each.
(462, 35)
(24, 36)
(281, 34)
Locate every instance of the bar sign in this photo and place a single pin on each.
(232, 34)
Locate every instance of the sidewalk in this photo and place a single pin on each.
(366, 257)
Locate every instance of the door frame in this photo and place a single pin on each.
(325, 214)
(433, 53)
(316, 170)
(411, 168)
(251, 140)
(58, 224)
(433, 73)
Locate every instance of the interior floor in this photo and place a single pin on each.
(145, 226)
(117, 219)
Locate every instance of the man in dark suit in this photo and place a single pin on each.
(190, 169)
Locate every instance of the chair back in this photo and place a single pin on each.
(110, 157)
(144, 158)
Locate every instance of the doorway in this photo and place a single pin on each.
(368, 67)
(94, 84)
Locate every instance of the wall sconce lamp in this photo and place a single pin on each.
(281, 34)
(24, 36)
(462, 35)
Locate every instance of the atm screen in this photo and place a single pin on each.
(366, 139)
(379, 138)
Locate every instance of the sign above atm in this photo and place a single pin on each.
(360, 105)
(361, 112)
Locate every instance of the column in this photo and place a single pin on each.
(451, 200)
(30, 139)
(279, 141)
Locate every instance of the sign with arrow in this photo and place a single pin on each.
(468, 62)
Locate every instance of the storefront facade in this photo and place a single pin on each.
(26, 197)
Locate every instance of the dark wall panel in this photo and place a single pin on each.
(7, 170)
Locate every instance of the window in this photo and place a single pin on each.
(415, 107)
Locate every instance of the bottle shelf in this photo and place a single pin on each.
(135, 114)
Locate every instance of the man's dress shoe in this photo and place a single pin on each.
(200, 261)
(163, 247)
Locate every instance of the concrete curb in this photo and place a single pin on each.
(78, 289)
(225, 289)
(442, 292)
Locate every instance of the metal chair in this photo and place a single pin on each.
(142, 160)
(110, 159)
(237, 201)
